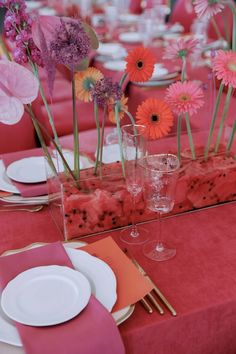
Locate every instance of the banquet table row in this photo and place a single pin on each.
(199, 282)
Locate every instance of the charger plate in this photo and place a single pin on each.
(8, 332)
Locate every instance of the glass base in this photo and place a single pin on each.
(158, 252)
(127, 237)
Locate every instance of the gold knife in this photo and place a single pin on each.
(155, 288)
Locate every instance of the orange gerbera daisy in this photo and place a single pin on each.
(84, 82)
(140, 64)
(122, 106)
(156, 116)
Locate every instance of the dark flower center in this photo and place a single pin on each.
(183, 53)
(184, 97)
(139, 64)
(154, 118)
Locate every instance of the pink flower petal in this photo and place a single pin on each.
(48, 25)
(11, 110)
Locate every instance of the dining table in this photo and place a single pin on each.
(199, 282)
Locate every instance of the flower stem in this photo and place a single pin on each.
(233, 10)
(35, 70)
(183, 73)
(190, 137)
(223, 118)
(75, 132)
(102, 138)
(216, 28)
(231, 138)
(98, 136)
(130, 116)
(178, 138)
(213, 120)
(122, 80)
(41, 139)
(119, 138)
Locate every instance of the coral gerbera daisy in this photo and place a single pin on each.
(156, 116)
(85, 81)
(185, 97)
(140, 64)
(122, 107)
(180, 48)
(224, 67)
(208, 8)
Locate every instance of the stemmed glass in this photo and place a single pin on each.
(160, 174)
(134, 148)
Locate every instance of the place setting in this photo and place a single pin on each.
(90, 278)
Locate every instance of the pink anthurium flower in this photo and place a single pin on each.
(18, 86)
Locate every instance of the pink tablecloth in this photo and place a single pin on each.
(199, 281)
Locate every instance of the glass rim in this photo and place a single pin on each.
(123, 127)
(160, 171)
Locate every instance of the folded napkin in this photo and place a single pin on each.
(26, 189)
(93, 331)
(131, 284)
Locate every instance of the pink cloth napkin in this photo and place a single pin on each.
(26, 189)
(93, 331)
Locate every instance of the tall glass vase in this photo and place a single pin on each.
(134, 148)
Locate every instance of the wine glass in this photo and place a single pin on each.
(134, 148)
(160, 174)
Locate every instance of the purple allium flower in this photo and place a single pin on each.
(20, 55)
(13, 5)
(105, 91)
(70, 44)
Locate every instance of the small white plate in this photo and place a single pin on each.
(116, 65)
(45, 296)
(28, 170)
(129, 18)
(154, 83)
(5, 183)
(110, 49)
(47, 11)
(98, 273)
(130, 37)
(8, 332)
(33, 5)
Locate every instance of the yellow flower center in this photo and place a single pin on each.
(184, 97)
(139, 64)
(232, 66)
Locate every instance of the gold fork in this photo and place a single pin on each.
(30, 209)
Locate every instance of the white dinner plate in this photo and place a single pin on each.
(114, 50)
(100, 276)
(130, 37)
(28, 170)
(8, 332)
(129, 18)
(5, 183)
(45, 296)
(116, 65)
(154, 83)
(33, 5)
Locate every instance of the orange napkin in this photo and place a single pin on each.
(131, 284)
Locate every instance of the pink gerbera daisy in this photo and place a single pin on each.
(208, 8)
(185, 97)
(180, 48)
(224, 67)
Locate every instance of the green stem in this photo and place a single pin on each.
(213, 120)
(102, 138)
(232, 8)
(231, 138)
(75, 132)
(40, 137)
(35, 70)
(190, 137)
(223, 118)
(130, 116)
(122, 80)
(183, 73)
(4, 48)
(119, 137)
(178, 138)
(98, 136)
(216, 28)
(41, 127)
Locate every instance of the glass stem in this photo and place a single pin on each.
(159, 246)
(134, 231)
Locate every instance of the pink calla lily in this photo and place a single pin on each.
(18, 86)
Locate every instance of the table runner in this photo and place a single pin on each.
(93, 331)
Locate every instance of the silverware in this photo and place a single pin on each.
(155, 288)
(146, 305)
(29, 209)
